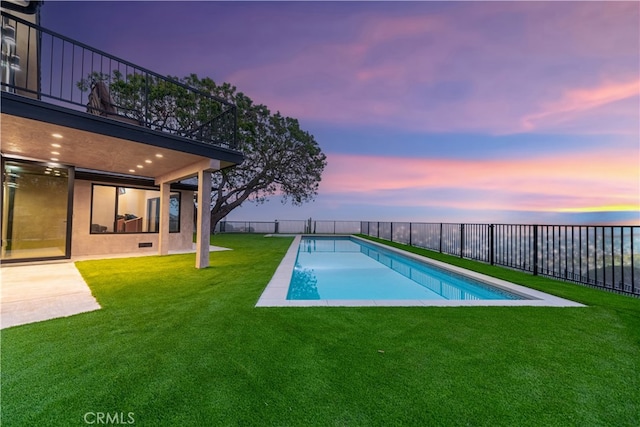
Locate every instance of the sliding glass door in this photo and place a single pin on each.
(36, 209)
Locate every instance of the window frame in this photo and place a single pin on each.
(176, 195)
(117, 192)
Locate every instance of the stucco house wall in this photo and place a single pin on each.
(84, 243)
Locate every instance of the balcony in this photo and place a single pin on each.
(50, 68)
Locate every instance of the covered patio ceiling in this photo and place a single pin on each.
(57, 135)
(36, 140)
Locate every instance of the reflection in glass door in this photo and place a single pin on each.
(35, 211)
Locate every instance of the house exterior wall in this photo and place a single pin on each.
(84, 243)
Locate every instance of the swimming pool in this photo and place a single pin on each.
(336, 268)
(350, 271)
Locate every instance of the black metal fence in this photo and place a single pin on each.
(606, 257)
(48, 66)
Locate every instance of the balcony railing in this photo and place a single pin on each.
(50, 67)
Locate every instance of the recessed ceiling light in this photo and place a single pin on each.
(55, 159)
(56, 145)
(47, 172)
(132, 170)
(159, 156)
(56, 135)
(139, 166)
(147, 161)
(55, 152)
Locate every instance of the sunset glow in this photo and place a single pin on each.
(555, 184)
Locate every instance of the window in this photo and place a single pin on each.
(153, 213)
(130, 210)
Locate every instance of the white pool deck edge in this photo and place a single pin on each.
(275, 294)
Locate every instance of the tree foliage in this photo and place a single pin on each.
(280, 157)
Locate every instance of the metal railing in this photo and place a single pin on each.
(48, 66)
(606, 257)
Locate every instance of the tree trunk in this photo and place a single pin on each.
(216, 217)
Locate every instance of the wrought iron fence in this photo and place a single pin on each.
(606, 257)
(48, 66)
(601, 256)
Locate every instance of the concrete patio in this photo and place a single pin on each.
(32, 293)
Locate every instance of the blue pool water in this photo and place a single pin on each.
(343, 268)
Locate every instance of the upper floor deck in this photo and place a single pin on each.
(49, 68)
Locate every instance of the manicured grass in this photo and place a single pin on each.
(178, 346)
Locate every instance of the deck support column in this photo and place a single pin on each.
(203, 222)
(202, 169)
(163, 238)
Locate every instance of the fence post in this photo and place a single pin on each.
(277, 227)
(440, 244)
(378, 229)
(535, 250)
(410, 234)
(461, 240)
(491, 243)
(392, 231)
(633, 280)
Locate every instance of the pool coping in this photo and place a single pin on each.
(275, 293)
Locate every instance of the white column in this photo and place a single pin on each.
(163, 235)
(203, 225)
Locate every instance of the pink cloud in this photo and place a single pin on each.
(576, 101)
(399, 71)
(378, 31)
(547, 183)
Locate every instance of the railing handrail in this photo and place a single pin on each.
(115, 58)
(62, 71)
(488, 223)
(444, 223)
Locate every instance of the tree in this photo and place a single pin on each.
(280, 157)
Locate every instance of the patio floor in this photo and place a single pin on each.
(41, 291)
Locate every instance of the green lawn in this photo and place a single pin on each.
(178, 346)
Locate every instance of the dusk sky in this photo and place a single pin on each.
(515, 112)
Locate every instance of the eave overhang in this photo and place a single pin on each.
(22, 6)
